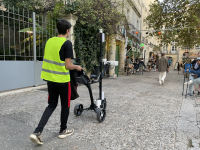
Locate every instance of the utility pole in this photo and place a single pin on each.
(141, 24)
(141, 21)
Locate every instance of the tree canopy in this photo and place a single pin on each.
(180, 19)
(92, 16)
(37, 6)
(103, 14)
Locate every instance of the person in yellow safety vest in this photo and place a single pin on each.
(55, 70)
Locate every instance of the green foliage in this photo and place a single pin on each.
(53, 8)
(37, 6)
(92, 16)
(180, 17)
(87, 44)
(71, 8)
(103, 13)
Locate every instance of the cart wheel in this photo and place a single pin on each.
(78, 109)
(101, 114)
(104, 104)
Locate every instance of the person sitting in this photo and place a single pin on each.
(128, 64)
(136, 66)
(193, 81)
(196, 67)
(141, 62)
(149, 65)
(132, 59)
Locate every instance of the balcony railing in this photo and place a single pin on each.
(133, 31)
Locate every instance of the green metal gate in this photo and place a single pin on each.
(117, 59)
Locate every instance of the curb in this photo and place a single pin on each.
(10, 92)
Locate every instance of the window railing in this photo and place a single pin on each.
(133, 31)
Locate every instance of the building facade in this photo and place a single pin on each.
(131, 40)
(151, 44)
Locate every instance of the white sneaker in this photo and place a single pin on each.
(65, 133)
(36, 138)
(189, 82)
(162, 82)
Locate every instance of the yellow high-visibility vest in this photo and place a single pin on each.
(53, 69)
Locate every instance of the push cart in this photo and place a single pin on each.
(98, 105)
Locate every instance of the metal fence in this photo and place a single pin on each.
(23, 35)
(16, 34)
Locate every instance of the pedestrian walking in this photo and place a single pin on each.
(155, 65)
(182, 67)
(162, 66)
(169, 62)
(178, 68)
(55, 70)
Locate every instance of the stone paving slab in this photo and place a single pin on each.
(141, 114)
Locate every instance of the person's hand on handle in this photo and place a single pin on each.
(79, 68)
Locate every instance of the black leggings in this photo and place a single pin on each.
(55, 90)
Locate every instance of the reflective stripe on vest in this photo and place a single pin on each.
(53, 62)
(55, 72)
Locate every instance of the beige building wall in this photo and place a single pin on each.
(135, 11)
(178, 54)
(148, 41)
(118, 39)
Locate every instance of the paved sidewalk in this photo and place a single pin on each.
(141, 115)
(196, 104)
